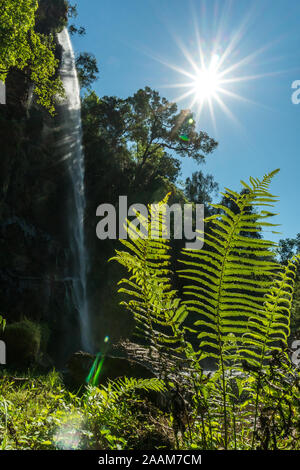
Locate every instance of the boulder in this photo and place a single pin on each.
(80, 364)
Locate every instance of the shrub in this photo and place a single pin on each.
(23, 342)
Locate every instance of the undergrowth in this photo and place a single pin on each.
(241, 301)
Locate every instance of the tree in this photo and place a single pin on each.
(87, 68)
(133, 148)
(154, 124)
(21, 47)
(73, 29)
(81, 31)
(288, 247)
(51, 16)
(72, 10)
(200, 188)
(143, 133)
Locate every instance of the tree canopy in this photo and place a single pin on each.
(288, 247)
(200, 188)
(87, 67)
(141, 138)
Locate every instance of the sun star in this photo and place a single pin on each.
(212, 77)
(207, 82)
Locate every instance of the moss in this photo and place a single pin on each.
(23, 342)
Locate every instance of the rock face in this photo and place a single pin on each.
(34, 256)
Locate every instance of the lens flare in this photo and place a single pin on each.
(184, 137)
(93, 377)
(68, 436)
(94, 374)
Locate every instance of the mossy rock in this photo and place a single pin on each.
(23, 343)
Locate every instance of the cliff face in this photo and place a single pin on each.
(34, 252)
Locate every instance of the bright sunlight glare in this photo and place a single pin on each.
(207, 81)
(212, 75)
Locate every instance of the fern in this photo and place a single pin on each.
(233, 272)
(126, 385)
(115, 390)
(233, 288)
(269, 329)
(240, 293)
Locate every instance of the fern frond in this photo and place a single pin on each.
(228, 280)
(269, 329)
(107, 396)
(125, 385)
(157, 310)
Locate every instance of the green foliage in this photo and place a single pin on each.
(2, 322)
(269, 329)
(72, 10)
(141, 135)
(74, 30)
(87, 68)
(126, 138)
(31, 409)
(287, 248)
(200, 188)
(153, 302)
(38, 413)
(112, 408)
(243, 301)
(52, 16)
(231, 281)
(242, 298)
(295, 320)
(21, 47)
(122, 386)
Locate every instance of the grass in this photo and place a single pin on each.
(39, 412)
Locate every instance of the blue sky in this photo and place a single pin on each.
(133, 41)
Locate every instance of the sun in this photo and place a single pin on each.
(207, 83)
(214, 71)
(210, 82)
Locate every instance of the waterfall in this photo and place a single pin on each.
(72, 153)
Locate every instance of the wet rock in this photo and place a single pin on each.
(80, 364)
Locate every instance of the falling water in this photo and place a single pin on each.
(71, 143)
